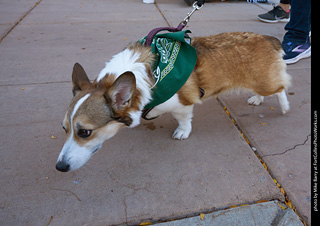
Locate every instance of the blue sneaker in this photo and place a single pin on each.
(295, 52)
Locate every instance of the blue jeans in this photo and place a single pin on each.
(299, 25)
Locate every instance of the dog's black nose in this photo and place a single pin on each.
(62, 166)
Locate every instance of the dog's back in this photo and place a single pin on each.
(237, 60)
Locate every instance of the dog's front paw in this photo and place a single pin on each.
(255, 100)
(181, 133)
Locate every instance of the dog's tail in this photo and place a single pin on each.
(275, 42)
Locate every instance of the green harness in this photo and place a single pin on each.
(175, 60)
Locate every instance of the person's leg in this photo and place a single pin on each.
(285, 7)
(296, 42)
(299, 25)
(279, 13)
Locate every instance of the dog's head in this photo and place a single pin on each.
(96, 113)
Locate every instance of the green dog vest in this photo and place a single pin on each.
(175, 60)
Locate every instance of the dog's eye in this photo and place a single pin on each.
(84, 133)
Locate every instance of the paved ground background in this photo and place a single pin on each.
(149, 177)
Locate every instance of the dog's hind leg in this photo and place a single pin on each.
(283, 101)
(255, 100)
(184, 116)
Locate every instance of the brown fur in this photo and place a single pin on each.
(235, 60)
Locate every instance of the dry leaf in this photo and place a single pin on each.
(262, 201)
(145, 223)
(282, 207)
(201, 216)
(272, 108)
(289, 204)
(265, 166)
(53, 137)
(22, 88)
(245, 138)
(263, 123)
(275, 181)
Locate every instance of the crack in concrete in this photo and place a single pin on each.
(18, 22)
(74, 194)
(289, 149)
(135, 190)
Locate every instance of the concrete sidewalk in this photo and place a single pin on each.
(266, 214)
(150, 177)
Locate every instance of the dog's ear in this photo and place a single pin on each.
(80, 79)
(122, 90)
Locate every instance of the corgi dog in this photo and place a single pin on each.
(117, 97)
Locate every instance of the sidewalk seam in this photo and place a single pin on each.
(287, 200)
(36, 83)
(162, 14)
(21, 18)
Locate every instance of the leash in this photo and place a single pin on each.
(197, 5)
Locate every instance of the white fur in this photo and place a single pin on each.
(74, 154)
(282, 98)
(173, 104)
(182, 113)
(184, 118)
(135, 116)
(127, 60)
(77, 105)
(284, 103)
(255, 100)
(71, 151)
(120, 63)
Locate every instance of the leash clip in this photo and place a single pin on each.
(187, 18)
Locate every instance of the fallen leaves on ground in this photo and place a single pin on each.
(265, 166)
(282, 207)
(225, 109)
(289, 204)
